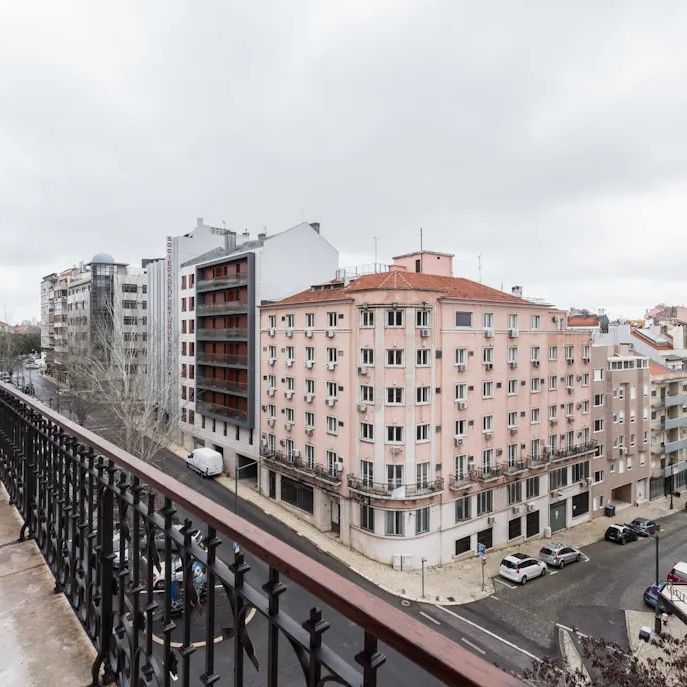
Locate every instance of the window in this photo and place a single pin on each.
(289, 321)
(461, 356)
(272, 352)
(586, 352)
(512, 419)
(422, 318)
(309, 419)
(461, 392)
(332, 356)
(514, 528)
(580, 471)
(599, 425)
(367, 518)
(310, 353)
(394, 395)
(422, 432)
(394, 476)
(512, 321)
(366, 431)
(461, 428)
(488, 320)
(553, 412)
(513, 355)
(332, 390)
(462, 545)
(367, 472)
(290, 353)
(512, 454)
(553, 382)
(535, 384)
(367, 356)
(487, 389)
(422, 357)
(422, 475)
(580, 504)
(332, 425)
(535, 321)
(598, 400)
(534, 353)
(289, 414)
(332, 463)
(532, 487)
(367, 393)
(394, 522)
(488, 423)
(422, 520)
(463, 509)
(394, 434)
(484, 502)
(514, 493)
(332, 319)
(534, 415)
(512, 387)
(422, 395)
(290, 383)
(598, 375)
(309, 386)
(309, 320)
(271, 381)
(535, 446)
(598, 476)
(553, 352)
(487, 459)
(488, 355)
(394, 318)
(394, 357)
(463, 319)
(367, 318)
(297, 494)
(558, 478)
(569, 352)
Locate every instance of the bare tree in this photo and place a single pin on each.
(9, 350)
(610, 665)
(74, 366)
(141, 414)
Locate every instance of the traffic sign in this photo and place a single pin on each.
(481, 549)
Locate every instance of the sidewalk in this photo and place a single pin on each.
(43, 643)
(450, 584)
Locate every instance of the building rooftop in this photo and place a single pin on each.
(456, 288)
(583, 321)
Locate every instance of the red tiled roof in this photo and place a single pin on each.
(659, 346)
(448, 287)
(658, 369)
(583, 321)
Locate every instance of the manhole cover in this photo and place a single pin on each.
(405, 602)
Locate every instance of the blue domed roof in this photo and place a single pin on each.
(103, 258)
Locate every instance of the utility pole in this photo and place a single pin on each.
(672, 484)
(424, 560)
(657, 617)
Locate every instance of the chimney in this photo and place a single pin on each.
(315, 226)
(199, 221)
(245, 236)
(517, 291)
(230, 241)
(262, 236)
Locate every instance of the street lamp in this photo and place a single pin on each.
(672, 484)
(657, 617)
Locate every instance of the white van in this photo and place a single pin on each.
(205, 461)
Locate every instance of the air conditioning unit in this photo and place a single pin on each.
(271, 361)
(579, 405)
(362, 407)
(309, 398)
(330, 366)
(529, 507)
(579, 378)
(488, 333)
(424, 333)
(271, 332)
(462, 405)
(553, 420)
(535, 363)
(309, 431)
(458, 440)
(488, 433)
(488, 366)
(395, 450)
(589, 481)
(308, 333)
(570, 361)
(513, 431)
(288, 394)
(309, 364)
(330, 333)
(331, 402)
(270, 392)
(512, 333)
(289, 333)
(515, 509)
(491, 520)
(460, 367)
(512, 364)
(623, 451)
(288, 426)
(270, 422)
(570, 389)
(362, 370)
(289, 362)
(585, 358)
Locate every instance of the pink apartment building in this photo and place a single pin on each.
(416, 414)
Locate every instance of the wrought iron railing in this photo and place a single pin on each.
(105, 524)
(205, 408)
(219, 282)
(296, 462)
(205, 358)
(222, 384)
(571, 451)
(225, 306)
(395, 489)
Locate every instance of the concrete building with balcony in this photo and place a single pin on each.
(220, 342)
(417, 415)
(621, 466)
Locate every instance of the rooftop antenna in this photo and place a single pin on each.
(479, 267)
(375, 240)
(421, 256)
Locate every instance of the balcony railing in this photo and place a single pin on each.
(71, 487)
(221, 411)
(222, 334)
(571, 451)
(218, 308)
(229, 385)
(297, 463)
(669, 401)
(674, 422)
(393, 489)
(230, 360)
(222, 282)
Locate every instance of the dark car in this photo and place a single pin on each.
(644, 527)
(620, 534)
(652, 597)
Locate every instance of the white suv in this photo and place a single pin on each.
(520, 567)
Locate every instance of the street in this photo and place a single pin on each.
(513, 627)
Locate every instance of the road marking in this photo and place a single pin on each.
(564, 627)
(429, 617)
(571, 629)
(551, 572)
(585, 556)
(493, 596)
(505, 584)
(474, 646)
(491, 634)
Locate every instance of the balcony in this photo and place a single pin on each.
(571, 451)
(221, 308)
(672, 446)
(669, 401)
(222, 334)
(144, 637)
(228, 281)
(222, 359)
(674, 423)
(460, 481)
(395, 490)
(224, 385)
(221, 412)
(295, 465)
(516, 467)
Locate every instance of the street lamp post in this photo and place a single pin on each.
(657, 617)
(672, 484)
(424, 560)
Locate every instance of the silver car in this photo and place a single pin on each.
(558, 554)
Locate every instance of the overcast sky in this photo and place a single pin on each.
(549, 137)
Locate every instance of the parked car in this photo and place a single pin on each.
(559, 554)
(678, 574)
(31, 365)
(177, 573)
(520, 567)
(205, 461)
(652, 596)
(644, 527)
(620, 534)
